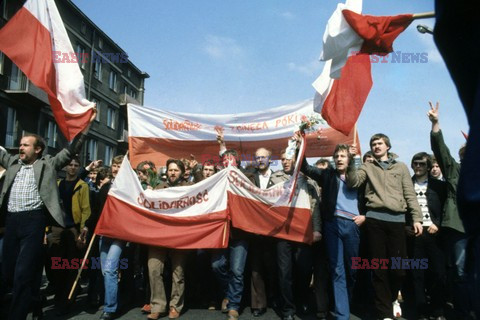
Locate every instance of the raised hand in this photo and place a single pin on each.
(433, 112)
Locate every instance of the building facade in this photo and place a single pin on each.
(111, 80)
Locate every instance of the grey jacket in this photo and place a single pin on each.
(45, 172)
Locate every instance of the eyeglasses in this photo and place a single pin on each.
(419, 164)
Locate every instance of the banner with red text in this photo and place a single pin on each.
(157, 135)
(198, 216)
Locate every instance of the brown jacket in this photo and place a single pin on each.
(388, 189)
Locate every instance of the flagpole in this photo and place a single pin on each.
(355, 134)
(424, 15)
(81, 267)
(224, 233)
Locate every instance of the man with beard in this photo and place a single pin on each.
(158, 255)
(295, 260)
(29, 198)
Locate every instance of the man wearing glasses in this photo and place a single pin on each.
(431, 194)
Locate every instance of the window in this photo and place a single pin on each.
(100, 43)
(125, 89)
(17, 80)
(12, 127)
(111, 115)
(92, 150)
(83, 28)
(95, 100)
(97, 72)
(129, 73)
(51, 134)
(112, 81)
(108, 155)
(133, 94)
(81, 53)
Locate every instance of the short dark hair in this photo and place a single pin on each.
(178, 162)
(210, 162)
(382, 136)
(39, 142)
(323, 161)
(421, 156)
(367, 154)
(75, 158)
(141, 166)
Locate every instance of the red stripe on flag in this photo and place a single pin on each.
(121, 220)
(288, 223)
(345, 100)
(159, 150)
(378, 32)
(29, 45)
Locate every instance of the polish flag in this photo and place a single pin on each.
(345, 82)
(198, 216)
(29, 39)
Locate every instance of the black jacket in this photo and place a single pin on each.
(327, 180)
(436, 196)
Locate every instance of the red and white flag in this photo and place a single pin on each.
(345, 82)
(198, 216)
(157, 135)
(31, 39)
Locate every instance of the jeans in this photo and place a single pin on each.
(22, 259)
(110, 251)
(231, 280)
(342, 238)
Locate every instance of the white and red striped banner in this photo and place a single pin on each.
(198, 216)
(157, 135)
(31, 39)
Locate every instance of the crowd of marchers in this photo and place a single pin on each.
(363, 212)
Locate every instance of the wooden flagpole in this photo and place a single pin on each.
(81, 267)
(355, 134)
(424, 15)
(224, 233)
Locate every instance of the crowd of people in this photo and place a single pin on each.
(380, 237)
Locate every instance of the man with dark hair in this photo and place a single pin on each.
(323, 164)
(389, 197)
(158, 255)
(453, 231)
(435, 170)
(341, 224)
(29, 199)
(431, 194)
(229, 264)
(65, 242)
(368, 157)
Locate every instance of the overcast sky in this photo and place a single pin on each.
(225, 56)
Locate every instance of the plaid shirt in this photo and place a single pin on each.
(24, 194)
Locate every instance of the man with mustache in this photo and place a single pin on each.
(389, 197)
(29, 199)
